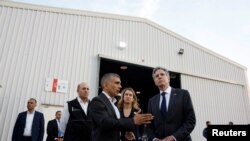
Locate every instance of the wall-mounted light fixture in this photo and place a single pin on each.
(123, 67)
(122, 45)
(181, 51)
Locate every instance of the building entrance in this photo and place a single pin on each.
(136, 76)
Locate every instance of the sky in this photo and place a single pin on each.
(222, 26)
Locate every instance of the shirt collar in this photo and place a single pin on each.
(80, 100)
(31, 113)
(111, 99)
(168, 90)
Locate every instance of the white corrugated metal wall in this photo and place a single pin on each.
(41, 42)
(216, 101)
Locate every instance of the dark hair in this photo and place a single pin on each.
(160, 68)
(58, 111)
(33, 99)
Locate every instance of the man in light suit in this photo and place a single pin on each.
(52, 127)
(29, 125)
(107, 123)
(174, 116)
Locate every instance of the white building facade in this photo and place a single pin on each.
(39, 44)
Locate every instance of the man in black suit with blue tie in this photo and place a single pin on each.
(29, 125)
(52, 127)
(174, 116)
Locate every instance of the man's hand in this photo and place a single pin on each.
(168, 138)
(156, 139)
(140, 119)
(129, 136)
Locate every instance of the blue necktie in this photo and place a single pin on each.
(163, 105)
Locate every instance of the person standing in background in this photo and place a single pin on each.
(76, 123)
(53, 128)
(174, 116)
(205, 130)
(128, 106)
(29, 125)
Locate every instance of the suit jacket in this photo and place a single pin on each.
(106, 126)
(205, 132)
(52, 130)
(180, 120)
(37, 130)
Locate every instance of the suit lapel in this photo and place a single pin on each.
(88, 107)
(172, 100)
(108, 104)
(55, 124)
(34, 120)
(24, 116)
(157, 107)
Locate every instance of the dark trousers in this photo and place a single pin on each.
(25, 138)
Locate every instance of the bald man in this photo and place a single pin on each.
(75, 122)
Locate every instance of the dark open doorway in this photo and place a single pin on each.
(136, 76)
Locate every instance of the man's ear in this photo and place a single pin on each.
(104, 85)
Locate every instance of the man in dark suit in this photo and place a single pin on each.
(205, 130)
(174, 116)
(29, 125)
(76, 122)
(107, 123)
(52, 127)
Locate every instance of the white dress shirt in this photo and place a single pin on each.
(28, 123)
(113, 101)
(167, 97)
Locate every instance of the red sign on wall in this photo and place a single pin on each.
(56, 85)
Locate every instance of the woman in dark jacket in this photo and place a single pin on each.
(128, 107)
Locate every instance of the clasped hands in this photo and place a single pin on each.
(168, 138)
(59, 139)
(129, 136)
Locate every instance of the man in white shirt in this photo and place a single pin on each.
(75, 122)
(29, 125)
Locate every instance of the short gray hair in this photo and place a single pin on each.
(106, 77)
(160, 68)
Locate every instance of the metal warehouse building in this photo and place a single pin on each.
(39, 45)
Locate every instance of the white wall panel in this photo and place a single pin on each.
(39, 42)
(217, 102)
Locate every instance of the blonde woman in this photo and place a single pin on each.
(128, 106)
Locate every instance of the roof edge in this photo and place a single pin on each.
(117, 17)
